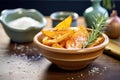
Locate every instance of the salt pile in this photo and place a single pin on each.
(24, 23)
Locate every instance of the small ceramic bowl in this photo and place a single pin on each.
(70, 59)
(21, 35)
(59, 16)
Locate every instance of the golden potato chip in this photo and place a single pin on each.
(76, 41)
(49, 41)
(63, 43)
(56, 45)
(84, 30)
(98, 41)
(49, 33)
(65, 24)
(65, 36)
(71, 44)
(54, 33)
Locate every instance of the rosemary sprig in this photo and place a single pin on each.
(96, 28)
(108, 4)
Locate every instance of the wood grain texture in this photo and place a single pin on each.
(113, 48)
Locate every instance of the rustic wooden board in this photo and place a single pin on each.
(113, 48)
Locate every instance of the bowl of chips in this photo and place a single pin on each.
(65, 45)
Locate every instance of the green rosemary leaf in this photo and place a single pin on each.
(96, 28)
(108, 4)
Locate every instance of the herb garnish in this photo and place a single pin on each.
(96, 28)
(108, 4)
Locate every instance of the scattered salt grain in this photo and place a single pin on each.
(81, 74)
(26, 52)
(94, 70)
(72, 78)
(24, 23)
(105, 68)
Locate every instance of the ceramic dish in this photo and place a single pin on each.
(21, 35)
(70, 59)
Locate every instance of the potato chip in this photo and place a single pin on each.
(49, 33)
(65, 36)
(98, 41)
(65, 24)
(84, 30)
(54, 33)
(49, 41)
(76, 41)
(56, 45)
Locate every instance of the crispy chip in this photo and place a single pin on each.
(98, 41)
(65, 24)
(84, 30)
(54, 33)
(65, 36)
(56, 45)
(76, 41)
(49, 41)
(49, 33)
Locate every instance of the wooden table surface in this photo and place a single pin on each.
(24, 62)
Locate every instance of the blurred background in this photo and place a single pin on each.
(46, 7)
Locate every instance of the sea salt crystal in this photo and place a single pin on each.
(94, 70)
(24, 51)
(24, 23)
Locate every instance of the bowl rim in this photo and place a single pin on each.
(70, 51)
(54, 14)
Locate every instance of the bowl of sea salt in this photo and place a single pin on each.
(21, 25)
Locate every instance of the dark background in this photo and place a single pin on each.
(46, 7)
